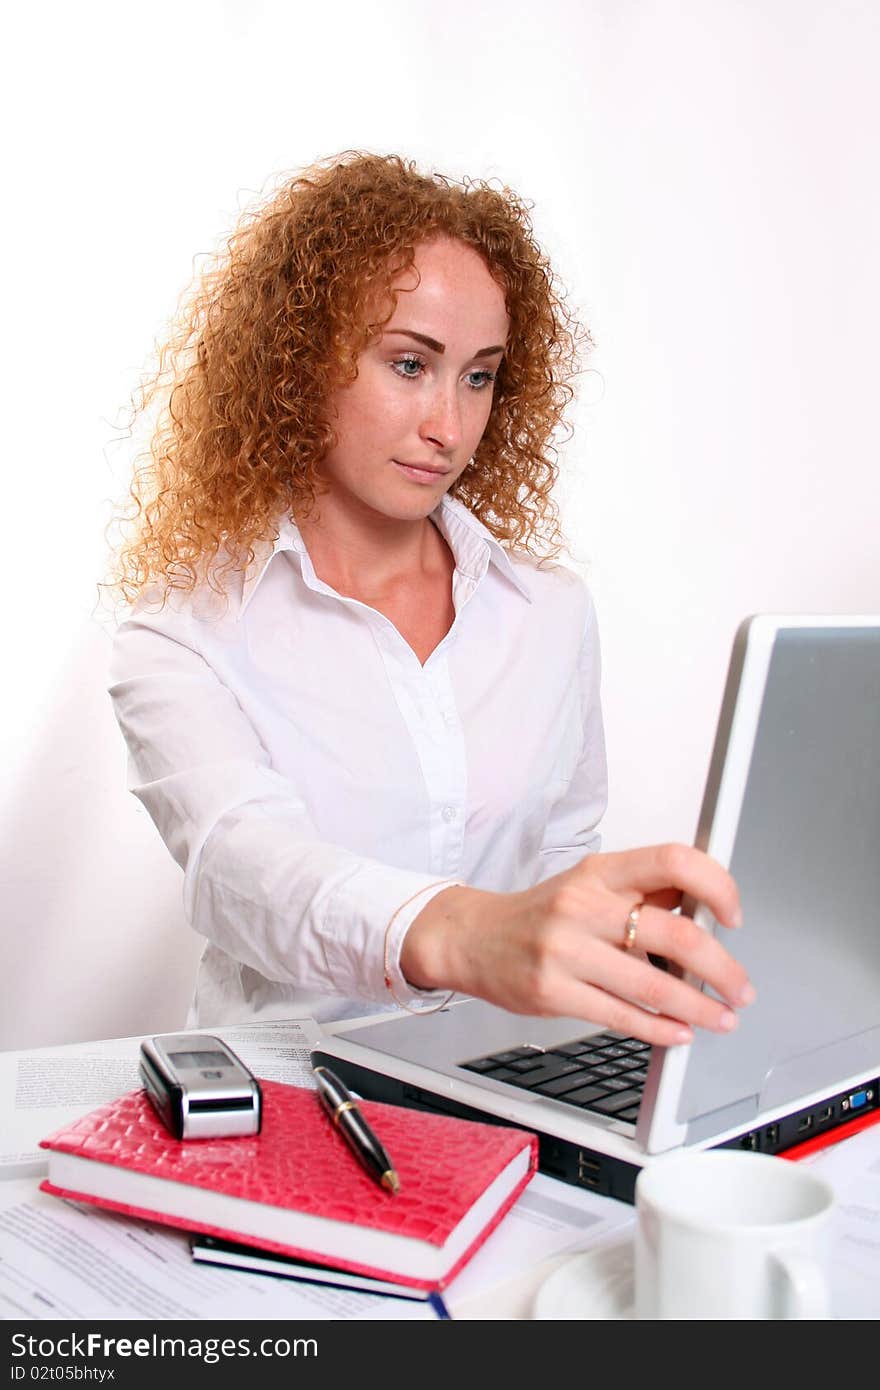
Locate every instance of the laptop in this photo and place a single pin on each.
(792, 808)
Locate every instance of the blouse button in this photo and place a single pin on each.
(449, 813)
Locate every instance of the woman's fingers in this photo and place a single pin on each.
(631, 977)
(658, 869)
(578, 999)
(696, 951)
(669, 898)
(625, 992)
(559, 948)
(605, 957)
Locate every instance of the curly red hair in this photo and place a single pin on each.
(275, 326)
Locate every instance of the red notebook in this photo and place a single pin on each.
(297, 1189)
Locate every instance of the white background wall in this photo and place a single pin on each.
(704, 175)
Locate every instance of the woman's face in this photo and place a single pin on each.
(410, 422)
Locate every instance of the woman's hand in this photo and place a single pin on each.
(557, 948)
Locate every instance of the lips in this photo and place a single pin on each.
(422, 472)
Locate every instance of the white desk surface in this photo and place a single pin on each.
(43, 1089)
(57, 1094)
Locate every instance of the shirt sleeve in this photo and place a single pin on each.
(572, 832)
(259, 882)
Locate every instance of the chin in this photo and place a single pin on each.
(410, 508)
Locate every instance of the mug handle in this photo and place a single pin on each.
(806, 1292)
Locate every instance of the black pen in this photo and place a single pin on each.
(345, 1113)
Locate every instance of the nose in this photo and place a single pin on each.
(441, 423)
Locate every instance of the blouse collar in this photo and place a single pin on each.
(473, 547)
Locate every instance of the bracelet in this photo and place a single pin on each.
(387, 962)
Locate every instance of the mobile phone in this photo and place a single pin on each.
(199, 1087)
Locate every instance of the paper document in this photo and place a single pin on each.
(45, 1088)
(67, 1261)
(853, 1170)
(551, 1217)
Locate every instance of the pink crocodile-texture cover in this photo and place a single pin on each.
(299, 1161)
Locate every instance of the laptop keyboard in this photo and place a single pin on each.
(605, 1072)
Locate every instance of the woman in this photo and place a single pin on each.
(361, 702)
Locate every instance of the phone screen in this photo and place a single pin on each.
(199, 1059)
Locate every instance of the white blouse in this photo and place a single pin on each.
(310, 776)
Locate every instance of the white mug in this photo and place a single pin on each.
(722, 1233)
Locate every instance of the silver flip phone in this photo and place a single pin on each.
(198, 1086)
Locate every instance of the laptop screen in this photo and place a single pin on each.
(806, 857)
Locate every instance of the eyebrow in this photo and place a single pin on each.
(433, 344)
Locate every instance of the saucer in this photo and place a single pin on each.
(595, 1284)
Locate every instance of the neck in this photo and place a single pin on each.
(361, 553)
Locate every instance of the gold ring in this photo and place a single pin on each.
(631, 927)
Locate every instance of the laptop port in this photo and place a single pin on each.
(825, 1114)
(771, 1134)
(586, 1164)
(857, 1101)
(804, 1123)
(749, 1141)
(591, 1180)
(589, 1171)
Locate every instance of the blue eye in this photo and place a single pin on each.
(401, 364)
(411, 367)
(479, 380)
